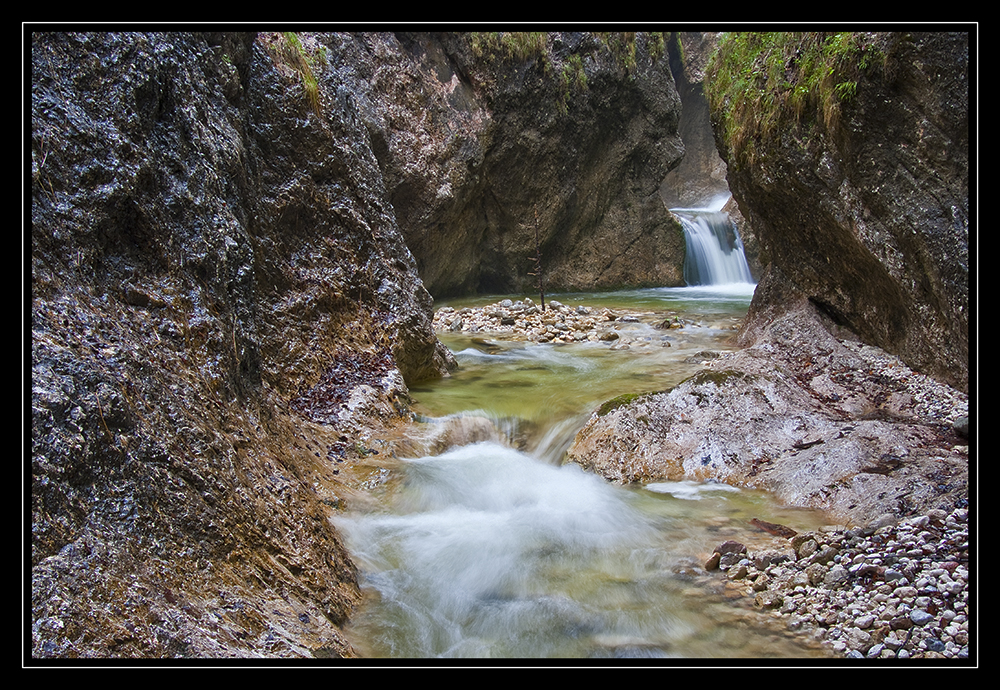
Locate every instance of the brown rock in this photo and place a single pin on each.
(774, 528)
(900, 623)
(731, 546)
(768, 600)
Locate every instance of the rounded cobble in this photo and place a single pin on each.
(898, 591)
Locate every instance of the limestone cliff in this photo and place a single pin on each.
(700, 179)
(224, 315)
(225, 311)
(484, 138)
(849, 156)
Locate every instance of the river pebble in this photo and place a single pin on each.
(558, 323)
(898, 591)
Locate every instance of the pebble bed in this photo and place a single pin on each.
(899, 591)
(889, 591)
(525, 321)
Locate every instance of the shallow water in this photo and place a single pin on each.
(548, 390)
(495, 550)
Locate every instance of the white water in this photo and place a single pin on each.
(715, 254)
(492, 549)
(487, 552)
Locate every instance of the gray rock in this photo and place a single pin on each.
(836, 576)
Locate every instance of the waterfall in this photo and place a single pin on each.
(715, 253)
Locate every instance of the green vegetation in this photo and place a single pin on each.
(622, 45)
(761, 83)
(570, 72)
(574, 79)
(573, 74)
(657, 44)
(620, 401)
(520, 45)
(719, 378)
(287, 48)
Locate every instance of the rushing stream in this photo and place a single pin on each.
(494, 549)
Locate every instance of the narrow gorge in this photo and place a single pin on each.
(238, 240)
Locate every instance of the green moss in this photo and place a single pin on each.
(657, 44)
(519, 45)
(573, 79)
(719, 378)
(535, 46)
(620, 401)
(622, 46)
(760, 83)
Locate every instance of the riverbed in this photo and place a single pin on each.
(494, 549)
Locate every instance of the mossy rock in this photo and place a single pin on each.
(620, 401)
(719, 378)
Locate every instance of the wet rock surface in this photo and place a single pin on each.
(866, 212)
(224, 317)
(481, 147)
(819, 421)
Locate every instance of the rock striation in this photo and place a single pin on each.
(223, 310)
(859, 198)
(483, 142)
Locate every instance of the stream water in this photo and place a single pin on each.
(495, 549)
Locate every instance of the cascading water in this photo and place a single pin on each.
(483, 544)
(715, 254)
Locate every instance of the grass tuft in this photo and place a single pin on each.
(761, 83)
(286, 47)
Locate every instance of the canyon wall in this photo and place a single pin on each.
(860, 203)
(850, 391)
(484, 142)
(222, 306)
(235, 239)
(226, 313)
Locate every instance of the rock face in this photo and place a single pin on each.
(700, 179)
(481, 142)
(820, 421)
(222, 308)
(860, 211)
(225, 312)
(861, 204)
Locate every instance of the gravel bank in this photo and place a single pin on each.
(523, 320)
(899, 591)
